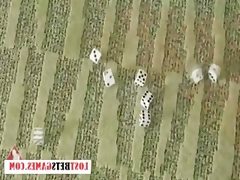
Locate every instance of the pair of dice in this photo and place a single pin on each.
(213, 74)
(108, 77)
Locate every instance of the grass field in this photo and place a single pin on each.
(48, 81)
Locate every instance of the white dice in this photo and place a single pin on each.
(146, 99)
(197, 75)
(145, 118)
(95, 55)
(214, 72)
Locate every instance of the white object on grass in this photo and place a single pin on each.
(95, 55)
(214, 72)
(146, 99)
(197, 75)
(145, 118)
(108, 78)
(140, 78)
(38, 136)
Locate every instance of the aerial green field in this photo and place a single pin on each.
(48, 81)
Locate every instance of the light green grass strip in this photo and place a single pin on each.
(74, 30)
(123, 173)
(160, 38)
(188, 149)
(130, 51)
(108, 125)
(169, 105)
(223, 158)
(47, 79)
(139, 133)
(69, 134)
(12, 23)
(41, 14)
(14, 104)
(218, 32)
(190, 39)
(108, 26)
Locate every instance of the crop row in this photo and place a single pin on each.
(148, 24)
(94, 14)
(204, 47)
(32, 79)
(152, 133)
(121, 27)
(56, 25)
(86, 144)
(232, 41)
(9, 62)
(59, 100)
(210, 119)
(236, 160)
(26, 26)
(125, 116)
(4, 8)
(179, 121)
(104, 173)
(174, 55)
